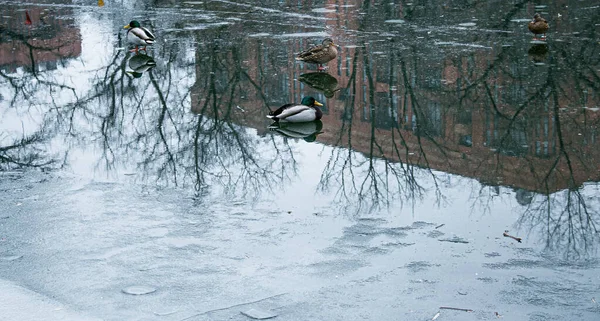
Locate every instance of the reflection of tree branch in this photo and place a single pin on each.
(23, 153)
(164, 110)
(420, 122)
(565, 216)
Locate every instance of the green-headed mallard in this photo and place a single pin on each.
(306, 111)
(539, 26)
(321, 54)
(138, 35)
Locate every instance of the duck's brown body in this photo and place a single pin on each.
(539, 25)
(320, 54)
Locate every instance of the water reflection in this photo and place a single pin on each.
(307, 131)
(538, 53)
(406, 101)
(321, 81)
(139, 64)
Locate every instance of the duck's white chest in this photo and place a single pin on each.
(135, 40)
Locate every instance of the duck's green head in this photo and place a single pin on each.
(132, 24)
(309, 101)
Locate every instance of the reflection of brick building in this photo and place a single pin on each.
(37, 37)
(426, 110)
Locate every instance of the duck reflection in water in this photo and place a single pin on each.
(306, 131)
(321, 81)
(538, 53)
(139, 64)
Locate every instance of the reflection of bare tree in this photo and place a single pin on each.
(498, 117)
(538, 129)
(25, 152)
(174, 145)
(221, 80)
(374, 178)
(569, 218)
(50, 43)
(35, 50)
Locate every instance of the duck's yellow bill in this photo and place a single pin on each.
(318, 103)
(127, 27)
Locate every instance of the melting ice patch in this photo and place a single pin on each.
(304, 34)
(205, 26)
(458, 44)
(259, 35)
(139, 290)
(323, 10)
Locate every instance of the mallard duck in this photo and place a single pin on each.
(139, 64)
(138, 35)
(320, 54)
(306, 111)
(539, 26)
(307, 131)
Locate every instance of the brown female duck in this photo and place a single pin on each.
(320, 54)
(539, 26)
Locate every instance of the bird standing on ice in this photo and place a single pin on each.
(138, 35)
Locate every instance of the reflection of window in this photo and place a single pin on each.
(515, 94)
(394, 106)
(516, 143)
(410, 124)
(284, 83)
(541, 149)
(432, 119)
(432, 82)
(511, 142)
(382, 73)
(384, 117)
(464, 117)
(544, 146)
